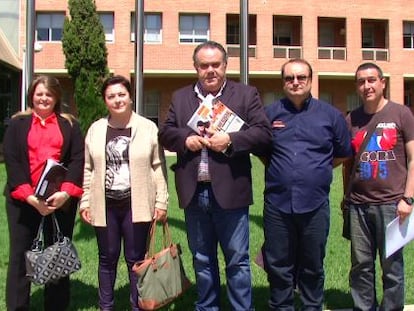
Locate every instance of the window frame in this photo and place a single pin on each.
(145, 37)
(283, 33)
(196, 34)
(109, 30)
(152, 101)
(50, 32)
(368, 36)
(408, 33)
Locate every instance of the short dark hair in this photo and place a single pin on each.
(369, 65)
(200, 123)
(117, 79)
(211, 45)
(299, 61)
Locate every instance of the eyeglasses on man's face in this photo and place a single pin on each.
(299, 78)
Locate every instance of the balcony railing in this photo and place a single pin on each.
(375, 54)
(287, 51)
(233, 50)
(332, 53)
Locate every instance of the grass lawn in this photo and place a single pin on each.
(84, 282)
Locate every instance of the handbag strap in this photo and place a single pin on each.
(37, 245)
(38, 242)
(166, 239)
(58, 235)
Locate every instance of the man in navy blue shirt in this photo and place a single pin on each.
(307, 135)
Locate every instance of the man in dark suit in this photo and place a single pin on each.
(213, 177)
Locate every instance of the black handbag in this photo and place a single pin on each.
(45, 265)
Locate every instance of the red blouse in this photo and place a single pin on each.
(44, 142)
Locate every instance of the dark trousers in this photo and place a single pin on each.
(294, 251)
(23, 221)
(134, 235)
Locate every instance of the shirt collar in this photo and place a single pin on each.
(198, 88)
(305, 106)
(52, 119)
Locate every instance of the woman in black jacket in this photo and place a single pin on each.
(40, 133)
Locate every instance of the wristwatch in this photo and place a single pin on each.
(408, 200)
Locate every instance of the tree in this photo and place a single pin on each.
(83, 43)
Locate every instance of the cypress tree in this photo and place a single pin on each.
(83, 43)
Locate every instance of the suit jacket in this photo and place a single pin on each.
(146, 166)
(230, 174)
(17, 155)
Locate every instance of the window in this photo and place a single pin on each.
(368, 37)
(271, 97)
(326, 97)
(233, 29)
(326, 34)
(282, 33)
(152, 101)
(107, 20)
(7, 109)
(66, 100)
(194, 28)
(408, 36)
(352, 102)
(49, 26)
(152, 27)
(407, 99)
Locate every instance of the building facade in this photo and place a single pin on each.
(10, 64)
(335, 37)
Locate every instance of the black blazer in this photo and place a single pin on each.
(230, 175)
(16, 153)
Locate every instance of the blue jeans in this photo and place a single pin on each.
(207, 225)
(294, 251)
(368, 223)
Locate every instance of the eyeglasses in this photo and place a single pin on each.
(300, 78)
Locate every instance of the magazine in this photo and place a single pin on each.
(219, 118)
(50, 180)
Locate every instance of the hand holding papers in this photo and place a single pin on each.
(218, 118)
(50, 179)
(397, 235)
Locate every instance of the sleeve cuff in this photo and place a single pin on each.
(21, 192)
(71, 189)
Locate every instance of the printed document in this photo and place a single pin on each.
(397, 235)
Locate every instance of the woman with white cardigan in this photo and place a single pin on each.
(125, 186)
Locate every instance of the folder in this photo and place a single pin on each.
(51, 179)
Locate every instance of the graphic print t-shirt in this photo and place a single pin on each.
(117, 182)
(381, 173)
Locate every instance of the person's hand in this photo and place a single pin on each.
(160, 215)
(40, 205)
(403, 210)
(219, 141)
(195, 143)
(85, 215)
(57, 199)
